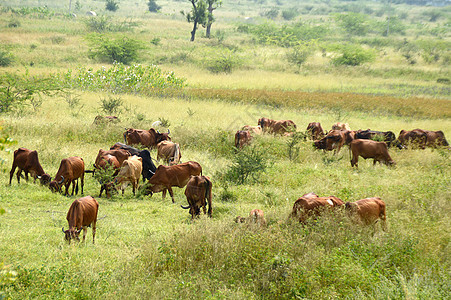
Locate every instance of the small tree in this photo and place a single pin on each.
(353, 55)
(123, 50)
(153, 6)
(111, 5)
(198, 15)
(353, 23)
(212, 5)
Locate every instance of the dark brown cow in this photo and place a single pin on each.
(169, 152)
(82, 214)
(419, 138)
(435, 139)
(242, 138)
(149, 138)
(27, 161)
(69, 171)
(385, 136)
(168, 176)
(198, 195)
(256, 216)
(334, 140)
(378, 151)
(282, 127)
(310, 205)
(315, 131)
(367, 211)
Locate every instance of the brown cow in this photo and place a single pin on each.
(82, 214)
(282, 127)
(169, 152)
(115, 158)
(378, 151)
(27, 161)
(253, 129)
(310, 205)
(149, 138)
(242, 138)
(334, 140)
(130, 172)
(105, 119)
(315, 131)
(422, 138)
(256, 216)
(69, 171)
(168, 176)
(198, 195)
(341, 126)
(367, 211)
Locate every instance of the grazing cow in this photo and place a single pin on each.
(378, 151)
(149, 167)
(367, 211)
(310, 205)
(334, 140)
(422, 138)
(198, 195)
(242, 138)
(130, 172)
(253, 129)
(82, 214)
(385, 136)
(149, 138)
(169, 152)
(341, 126)
(168, 176)
(105, 119)
(27, 161)
(256, 216)
(315, 131)
(282, 127)
(115, 158)
(69, 171)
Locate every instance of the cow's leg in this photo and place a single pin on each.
(164, 194)
(11, 173)
(93, 231)
(26, 175)
(354, 161)
(171, 193)
(85, 230)
(82, 182)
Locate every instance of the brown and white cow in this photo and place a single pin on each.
(310, 205)
(282, 127)
(378, 151)
(82, 214)
(367, 211)
(198, 195)
(242, 138)
(149, 138)
(28, 161)
(334, 140)
(130, 172)
(253, 129)
(315, 131)
(341, 126)
(256, 217)
(168, 176)
(169, 152)
(69, 171)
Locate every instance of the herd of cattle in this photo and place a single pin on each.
(129, 164)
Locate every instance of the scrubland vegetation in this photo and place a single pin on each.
(327, 62)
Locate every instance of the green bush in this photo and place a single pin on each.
(353, 55)
(299, 54)
(106, 49)
(153, 6)
(271, 13)
(290, 14)
(111, 5)
(111, 105)
(353, 23)
(248, 164)
(223, 62)
(6, 58)
(102, 24)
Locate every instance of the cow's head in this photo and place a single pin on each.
(240, 219)
(55, 186)
(45, 179)
(159, 137)
(146, 189)
(71, 233)
(262, 122)
(320, 144)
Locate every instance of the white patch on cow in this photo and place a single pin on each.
(330, 202)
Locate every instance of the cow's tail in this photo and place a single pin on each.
(208, 186)
(177, 153)
(185, 207)
(125, 136)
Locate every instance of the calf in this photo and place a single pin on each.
(149, 167)
(168, 176)
(69, 171)
(242, 138)
(198, 195)
(82, 214)
(252, 129)
(282, 127)
(310, 205)
(27, 161)
(367, 211)
(256, 216)
(378, 151)
(169, 152)
(130, 172)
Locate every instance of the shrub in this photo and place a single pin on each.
(102, 24)
(123, 50)
(248, 163)
(353, 23)
(353, 55)
(111, 105)
(224, 62)
(111, 5)
(271, 13)
(299, 54)
(153, 6)
(290, 14)
(14, 23)
(6, 58)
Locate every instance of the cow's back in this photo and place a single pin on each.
(82, 212)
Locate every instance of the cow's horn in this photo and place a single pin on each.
(62, 228)
(169, 131)
(62, 180)
(39, 177)
(78, 231)
(158, 131)
(185, 207)
(153, 173)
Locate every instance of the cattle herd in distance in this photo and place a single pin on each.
(129, 164)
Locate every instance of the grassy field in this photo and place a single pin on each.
(147, 247)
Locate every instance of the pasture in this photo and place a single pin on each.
(147, 247)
